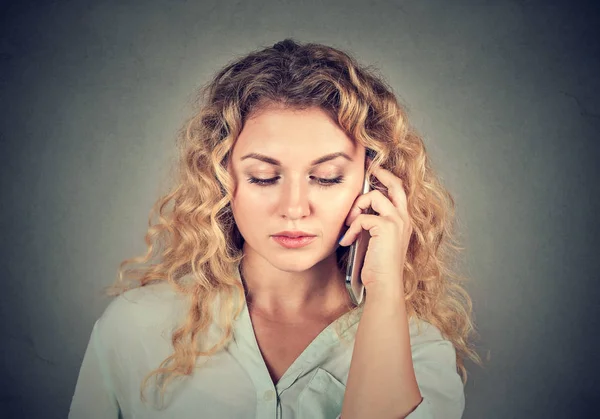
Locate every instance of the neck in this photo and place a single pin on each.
(289, 296)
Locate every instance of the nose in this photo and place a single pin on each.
(294, 199)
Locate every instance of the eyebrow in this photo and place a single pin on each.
(275, 162)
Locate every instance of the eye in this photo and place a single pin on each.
(330, 182)
(320, 181)
(262, 182)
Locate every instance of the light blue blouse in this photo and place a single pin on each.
(133, 336)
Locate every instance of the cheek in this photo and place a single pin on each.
(337, 210)
(332, 207)
(246, 203)
(248, 206)
(254, 197)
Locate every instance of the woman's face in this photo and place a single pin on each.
(294, 170)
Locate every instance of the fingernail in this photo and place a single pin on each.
(340, 241)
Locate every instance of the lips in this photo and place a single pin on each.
(294, 242)
(293, 234)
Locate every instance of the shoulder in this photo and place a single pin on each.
(145, 305)
(422, 331)
(428, 343)
(142, 310)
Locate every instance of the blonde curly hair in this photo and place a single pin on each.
(195, 235)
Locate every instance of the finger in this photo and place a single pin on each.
(394, 185)
(356, 227)
(374, 224)
(376, 200)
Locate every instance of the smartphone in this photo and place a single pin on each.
(356, 257)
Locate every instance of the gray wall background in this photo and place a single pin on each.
(505, 93)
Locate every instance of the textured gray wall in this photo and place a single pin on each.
(505, 93)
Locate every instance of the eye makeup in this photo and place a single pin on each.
(322, 182)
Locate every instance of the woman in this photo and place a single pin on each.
(245, 311)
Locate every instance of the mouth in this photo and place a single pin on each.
(293, 234)
(293, 242)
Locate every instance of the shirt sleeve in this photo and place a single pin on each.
(434, 361)
(94, 397)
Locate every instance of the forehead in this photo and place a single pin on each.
(291, 131)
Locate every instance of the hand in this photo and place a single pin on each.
(389, 232)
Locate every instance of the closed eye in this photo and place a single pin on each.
(320, 181)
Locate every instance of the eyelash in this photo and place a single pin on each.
(324, 183)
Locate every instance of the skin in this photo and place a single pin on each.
(294, 285)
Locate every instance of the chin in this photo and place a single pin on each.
(292, 264)
(296, 262)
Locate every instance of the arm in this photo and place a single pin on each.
(392, 373)
(396, 375)
(94, 397)
(381, 381)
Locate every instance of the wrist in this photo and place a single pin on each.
(392, 291)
